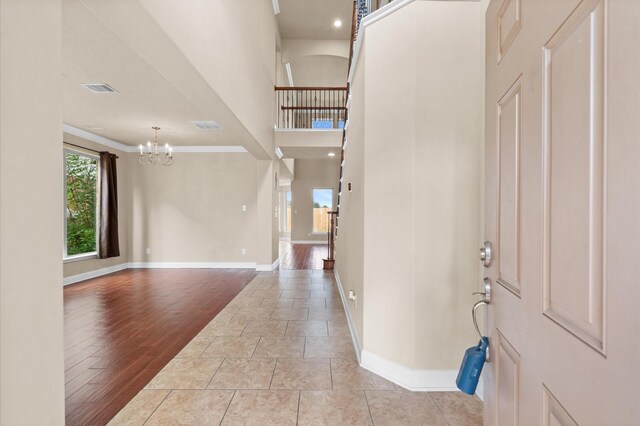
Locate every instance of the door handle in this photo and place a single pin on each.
(485, 254)
(486, 299)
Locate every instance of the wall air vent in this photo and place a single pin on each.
(206, 125)
(100, 88)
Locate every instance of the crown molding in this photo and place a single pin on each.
(128, 148)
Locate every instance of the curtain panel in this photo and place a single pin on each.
(108, 244)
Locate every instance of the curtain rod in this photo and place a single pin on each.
(88, 149)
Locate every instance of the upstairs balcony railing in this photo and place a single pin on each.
(311, 107)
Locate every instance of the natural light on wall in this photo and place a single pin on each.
(322, 203)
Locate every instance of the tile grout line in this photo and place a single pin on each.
(298, 412)
(228, 405)
(366, 399)
(438, 408)
(154, 410)
(215, 372)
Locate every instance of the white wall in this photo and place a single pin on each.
(31, 329)
(414, 154)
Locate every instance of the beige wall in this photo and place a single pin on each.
(350, 242)
(310, 174)
(232, 44)
(124, 205)
(192, 211)
(31, 330)
(422, 150)
(267, 202)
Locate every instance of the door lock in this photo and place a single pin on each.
(485, 254)
(486, 291)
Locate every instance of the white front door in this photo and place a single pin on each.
(563, 212)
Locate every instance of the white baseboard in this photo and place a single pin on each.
(93, 274)
(357, 343)
(193, 265)
(414, 380)
(268, 268)
(480, 389)
(309, 242)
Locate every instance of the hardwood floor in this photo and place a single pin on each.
(302, 256)
(121, 329)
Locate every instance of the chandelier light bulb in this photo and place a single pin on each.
(153, 154)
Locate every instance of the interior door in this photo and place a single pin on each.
(563, 212)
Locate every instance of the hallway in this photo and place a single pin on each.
(281, 353)
(302, 256)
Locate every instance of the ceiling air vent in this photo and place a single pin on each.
(100, 88)
(206, 125)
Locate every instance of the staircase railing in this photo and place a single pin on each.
(311, 107)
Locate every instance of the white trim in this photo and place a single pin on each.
(287, 66)
(308, 130)
(480, 389)
(268, 268)
(80, 257)
(413, 380)
(276, 7)
(385, 10)
(128, 148)
(205, 148)
(193, 265)
(309, 242)
(95, 138)
(355, 337)
(93, 274)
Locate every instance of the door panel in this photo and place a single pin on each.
(574, 145)
(553, 413)
(562, 210)
(508, 381)
(508, 210)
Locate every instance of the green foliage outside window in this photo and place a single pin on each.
(81, 204)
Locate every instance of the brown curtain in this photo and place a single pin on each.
(108, 245)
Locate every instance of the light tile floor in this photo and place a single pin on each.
(280, 353)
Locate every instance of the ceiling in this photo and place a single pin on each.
(313, 19)
(93, 53)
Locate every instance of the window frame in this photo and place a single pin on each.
(312, 208)
(79, 256)
(286, 214)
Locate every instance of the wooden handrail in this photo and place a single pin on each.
(312, 108)
(354, 26)
(277, 88)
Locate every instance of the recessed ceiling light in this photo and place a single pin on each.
(206, 125)
(337, 23)
(100, 88)
(331, 154)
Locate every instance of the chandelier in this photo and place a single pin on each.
(153, 155)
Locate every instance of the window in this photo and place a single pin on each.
(287, 211)
(81, 179)
(322, 203)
